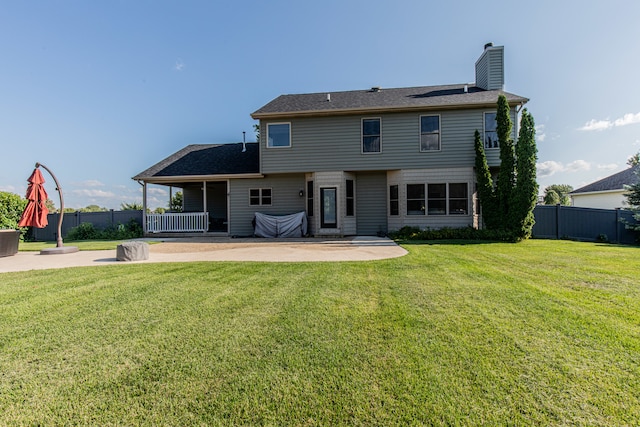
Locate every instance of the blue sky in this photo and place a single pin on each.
(98, 91)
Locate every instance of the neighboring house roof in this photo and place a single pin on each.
(381, 99)
(611, 183)
(198, 160)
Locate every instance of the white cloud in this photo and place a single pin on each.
(8, 188)
(627, 119)
(540, 135)
(93, 193)
(157, 191)
(548, 168)
(578, 165)
(551, 167)
(179, 65)
(608, 167)
(90, 183)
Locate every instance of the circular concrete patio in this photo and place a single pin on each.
(363, 248)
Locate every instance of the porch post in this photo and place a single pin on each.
(144, 207)
(204, 204)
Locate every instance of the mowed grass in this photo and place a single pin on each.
(536, 333)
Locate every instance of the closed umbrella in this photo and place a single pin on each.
(35, 213)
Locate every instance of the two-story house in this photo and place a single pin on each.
(357, 162)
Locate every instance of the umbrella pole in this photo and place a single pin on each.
(59, 189)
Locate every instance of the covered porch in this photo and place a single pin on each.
(202, 172)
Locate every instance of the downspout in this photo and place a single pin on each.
(144, 205)
(204, 205)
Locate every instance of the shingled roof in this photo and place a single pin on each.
(383, 100)
(203, 160)
(614, 182)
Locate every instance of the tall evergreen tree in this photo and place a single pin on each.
(486, 194)
(506, 175)
(526, 187)
(509, 206)
(633, 199)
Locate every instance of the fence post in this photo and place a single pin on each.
(617, 225)
(558, 221)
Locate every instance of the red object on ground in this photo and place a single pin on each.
(35, 213)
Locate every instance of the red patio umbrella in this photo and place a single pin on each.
(35, 213)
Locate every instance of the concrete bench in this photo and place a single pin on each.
(132, 251)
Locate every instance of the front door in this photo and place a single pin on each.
(329, 212)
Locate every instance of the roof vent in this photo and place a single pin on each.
(328, 97)
(466, 88)
(488, 45)
(376, 89)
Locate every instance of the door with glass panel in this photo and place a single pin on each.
(329, 213)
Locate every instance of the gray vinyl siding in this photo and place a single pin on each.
(192, 198)
(490, 69)
(285, 200)
(371, 203)
(334, 143)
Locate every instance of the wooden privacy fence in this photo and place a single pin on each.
(568, 222)
(99, 220)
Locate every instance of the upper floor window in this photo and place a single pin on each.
(371, 136)
(429, 133)
(490, 131)
(260, 197)
(279, 135)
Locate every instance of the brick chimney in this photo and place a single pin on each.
(490, 68)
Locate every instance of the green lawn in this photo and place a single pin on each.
(536, 333)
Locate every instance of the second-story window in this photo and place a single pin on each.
(429, 133)
(490, 131)
(278, 135)
(371, 136)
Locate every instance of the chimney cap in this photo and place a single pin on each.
(488, 45)
(376, 89)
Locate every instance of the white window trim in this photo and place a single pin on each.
(267, 137)
(260, 189)
(362, 135)
(439, 133)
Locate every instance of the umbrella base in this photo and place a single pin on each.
(59, 250)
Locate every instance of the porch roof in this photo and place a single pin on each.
(196, 161)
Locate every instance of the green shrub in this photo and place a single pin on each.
(446, 233)
(11, 208)
(87, 231)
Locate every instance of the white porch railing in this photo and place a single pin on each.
(177, 222)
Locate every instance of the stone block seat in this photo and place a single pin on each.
(132, 251)
(9, 240)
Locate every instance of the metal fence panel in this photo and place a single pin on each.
(100, 220)
(568, 222)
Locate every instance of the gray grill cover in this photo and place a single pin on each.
(294, 225)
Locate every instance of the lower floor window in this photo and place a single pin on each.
(458, 199)
(260, 197)
(394, 208)
(438, 199)
(415, 199)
